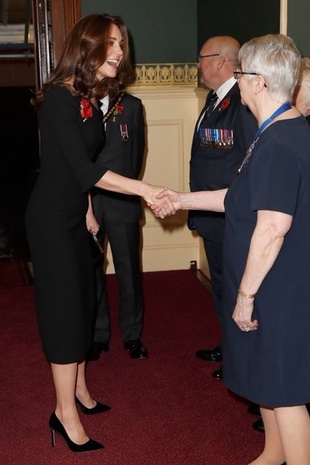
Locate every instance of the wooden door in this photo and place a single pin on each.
(53, 20)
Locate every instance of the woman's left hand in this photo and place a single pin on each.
(242, 315)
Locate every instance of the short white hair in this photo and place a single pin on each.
(277, 59)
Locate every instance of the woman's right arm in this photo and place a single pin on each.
(66, 132)
(201, 200)
(117, 183)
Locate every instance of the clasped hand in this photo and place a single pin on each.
(165, 203)
(162, 201)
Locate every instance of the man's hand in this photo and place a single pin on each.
(92, 224)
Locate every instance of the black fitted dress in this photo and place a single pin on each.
(56, 225)
(270, 366)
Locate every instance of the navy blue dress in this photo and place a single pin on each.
(56, 226)
(270, 366)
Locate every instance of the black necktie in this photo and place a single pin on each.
(209, 107)
(211, 104)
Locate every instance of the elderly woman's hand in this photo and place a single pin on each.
(161, 206)
(242, 315)
(171, 200)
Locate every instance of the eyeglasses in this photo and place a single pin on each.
(200, 57)
(238, 73)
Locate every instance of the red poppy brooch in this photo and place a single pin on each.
(225, 103)
(85, 109)
(117, 111)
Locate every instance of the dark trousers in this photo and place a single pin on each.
(214, 255)
(124, 241)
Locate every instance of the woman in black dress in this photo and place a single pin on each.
(95, 60)
(266, 343)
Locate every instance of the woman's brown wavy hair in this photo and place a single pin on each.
(85, 50)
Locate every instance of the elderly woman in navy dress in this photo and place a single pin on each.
(266, 343)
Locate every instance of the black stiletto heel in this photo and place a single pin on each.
(99, 408)
(56, 426)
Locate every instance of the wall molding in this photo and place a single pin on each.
(166, 74)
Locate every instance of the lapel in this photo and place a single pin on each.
(217, 113)
(221, 109)
(111, 103)
(209, 96)
(113, 106)
(117, 124)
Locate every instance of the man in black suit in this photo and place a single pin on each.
(119, 218)
(222, 135)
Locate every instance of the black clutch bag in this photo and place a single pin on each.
(97, 250)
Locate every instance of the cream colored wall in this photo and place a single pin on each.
(171, 114)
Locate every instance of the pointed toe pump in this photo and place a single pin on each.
(57, 427)
(99, 408)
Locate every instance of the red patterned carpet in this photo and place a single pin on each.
(166, 410)
(13, 273)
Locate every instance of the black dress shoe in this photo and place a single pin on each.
(210, 355)
(99, 407)
(254, 409)
(96, 349)
(136, 349)
(259, 425)
(57, 427)
(218, 374)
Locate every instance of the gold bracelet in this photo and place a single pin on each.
(248, 296)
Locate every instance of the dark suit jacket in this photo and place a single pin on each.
(214, 168)
(123, 157)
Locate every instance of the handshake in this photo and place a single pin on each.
(162, 201)
(165, 202)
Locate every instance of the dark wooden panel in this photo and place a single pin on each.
(242, 19)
